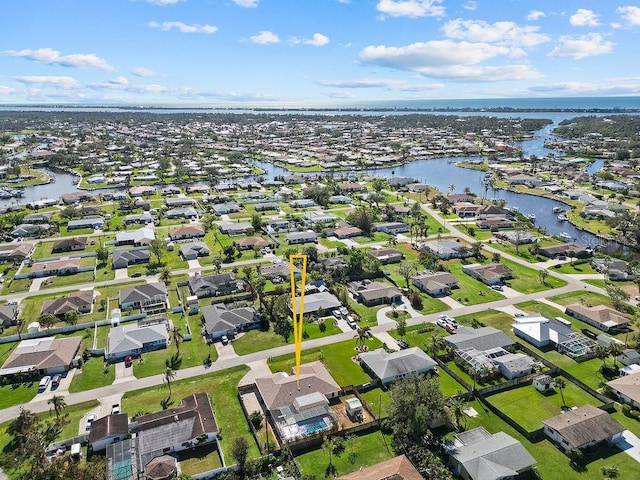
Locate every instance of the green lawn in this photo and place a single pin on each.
(336, 357)
(527, 280)
(66, 280)
(12, 285)
(198, 460)
(528, 407)
(368, 315)
(75, 412)
(523, 252)
(589, 298)
(578, 267)
(471, 291)
(369, 449)
(95, 373)
(222, 387)
(17, 393)
(378, 400)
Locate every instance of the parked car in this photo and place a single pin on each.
(441, 322)
(44, 383)
(90, 419)
(451, 330)
(55, 381)
(128, 361)
(519, 314)
(402, 344)
(497, 287)
(225, 340)
(136, 275)
(115, 408)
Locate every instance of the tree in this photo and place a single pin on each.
(601, 352)
(333, 447)
(240, 451)
(169, 376)
(71, 317)
(157, 248)
(259, 284)
(47, 320)
(177, 337)
(615, 350)
(102, 254)
(542, 276)
(401, 328)
(207, 222)
(58, 404)
(560, 384)
(165, 275)
(575, 456)
(436, 344)
(69, 212)
(609, 472)
(406, 269)
(458, 406)
(416, 404)
(617, 295)
(363, 219)
(362, 333)
(256, 222)
(256, 418)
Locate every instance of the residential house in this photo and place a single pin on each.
(466, 209)
(299, 409)
(340, 199)
(541, 332)
(15, 251)
(226, 208)
(108, 430)
(435, 284)
(453, 197)
(267, 206)
(251, 243)
(301, 237)
(613, 268)
(478, 455)
(76, 197)
(481, 339)
(495, 224)
(600, 316)
(67, 266)
(181, 212)
(276, 225)
(139, 218)
(386, 255)
(571, 249)
(374, 293)
(81, 302)
(347, 232)
(393, 228)
(333, 264)
(543, 383)
(240, 228)
(629, 356)
(490, 274)
(317, 303)
(44, 355)
(126, 258)
(198, 188)
(214, 285)
(492, 211)
(30, 229)
(194, 250)
(280, 272)
(186, 232)
(170, 190)
(141, 190)
(390, 367)
(8, 315)
(37, 218)
(396, 468)
(149, 297)
(582, 427)
(134, 339)
(627, 389)
(69, 245)
(302, 203)
(218, 320)
(91, 222)
(137, 238)
(313, 218)
(514, 365)
(89, 211)
(445, 249)
(517, 237)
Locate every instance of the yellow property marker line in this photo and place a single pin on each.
(298, 311)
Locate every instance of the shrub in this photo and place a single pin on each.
(322, 327)
(416, 300)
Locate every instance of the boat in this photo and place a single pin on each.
(566, 236)
(558, 209)
(532, 217)
(562, 218)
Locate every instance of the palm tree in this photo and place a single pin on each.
(560, 384)
(58, 404)
(165, 275)
(177, 337)
(458, 405)
(602, 353)
(436, 344)
(610, 472)
(452, 187)
(169, 376)
(615, 350)
(362, 335)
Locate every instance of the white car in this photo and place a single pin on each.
(441, 322)
(115, 409)
(90, 419)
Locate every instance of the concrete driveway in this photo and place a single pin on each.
(629, 443)
(123, 373)
(121, 273)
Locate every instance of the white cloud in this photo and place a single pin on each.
(119, 81)
(265, 37)
(611, 86)
(411, 8)
(54, 81)
(581, 47)
(471, 5)
(246, 3)
(386, 83)
(478, 73)
(53, 57)
(535, 15)
(164, 3)
(630, 14)
(341, 94)
(183, 27)
(506, 33)
(4, 90)
(317, 40)
(584, 18)
(143, 72)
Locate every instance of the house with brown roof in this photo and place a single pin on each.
(602, 317)
(490, 274)
(299, 409)
(627, 389)
(15, 251)
(187, 232)
(251, 242)
(583, 427)
(374, 293)
(81, 302)
(572, 249)
(347, 232)
(45, 355)
(396, 468)
(109, 429)
(67, 266)
(386, 255)
(69, 245)
(434, 284)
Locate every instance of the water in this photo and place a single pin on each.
(595, 167)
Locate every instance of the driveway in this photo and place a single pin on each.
(629, 443)
(384, 337)
(194, 263)
(36, 284)
(123, 373)
(121, 273)
(225, 351)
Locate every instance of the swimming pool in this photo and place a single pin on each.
(313, 425)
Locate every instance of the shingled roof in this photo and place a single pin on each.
(397, 468)
(584, 425)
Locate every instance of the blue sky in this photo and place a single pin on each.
(314, 52)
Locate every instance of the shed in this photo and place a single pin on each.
(543, 383)
(33, 327)
(354, 408)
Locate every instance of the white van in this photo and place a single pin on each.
(44, 383)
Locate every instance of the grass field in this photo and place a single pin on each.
(17, 393)
(471, 291)
(95, 373)
(527, 280)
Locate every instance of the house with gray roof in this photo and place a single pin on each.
(135, 339)
(30, 229)
(445, 249)
(301, 237)
(218, 320)
(374, 293)
(478, 455)
(386, 255)
(182, 212)
(214, 285)
(193, 250)
(139, 218)
(489, 274)
(226, 208)
(93, 222)
(582, 427)
(484, 338)
(149, 297)
(435, 284)
(316, 302)
(390, 367)
(8, 315)
(15, 251)
(139, 237)
(240, 228)
(126, 258)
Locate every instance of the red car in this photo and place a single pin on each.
(128, 361)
